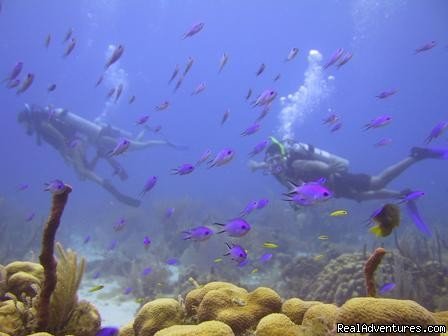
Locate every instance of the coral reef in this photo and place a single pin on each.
(277, 325)
(209, 328)
(296, 308)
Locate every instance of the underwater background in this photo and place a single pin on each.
(309, 247)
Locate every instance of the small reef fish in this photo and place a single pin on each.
(47, 41)
(56, 187)
(147, 271)
(140, 300)
(270, 245)
(51, 88)
(334, 58)
(249, 93)
(265, 98)
(411, 196)
(29, 79)
(14, 83)
(217, 260)
(378, 122)
(68, 35)
(387, 287)
(277, 77)
(131, 99)
(260, 69)
(386, 94)
(237, 253)
(339, 213)
(201, 87)
(146, 242)
(224, 156)
(309, 193)
(99, 80)
(251, 206)
(111, 92)
(16, 70)
(225, 116)
(188, 66)
(383, 142)
(86, 239)
(237, 227)
(266, 257)
(116, 55)
(437, 131)
(204, 157)
(150, 183)
(96, 288)
(261, 203)
(172, 262)
(426, 47)
(196, 28)
(23, 187)
(142, 120)
(259, 147)
(162, 106)
(30, 217)
(331, 119)
(318, 257)
(169, 212)
(183, 169)
(70, 47)
(119, 225)
(386, 219)
(122, 146)
(292, 54)
(108, 331)
(128, 291)
(323, 237)
(198, 233)
(336, 127)
(264, 112)
(416, 218)
(223, 62)
(255, 270)
(119, 91)
(252, 129)
(174, 74)
(178, 83)
(347, 56)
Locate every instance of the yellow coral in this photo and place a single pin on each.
(277, 325)
(11, 313)
(41, 334)
(127, 330)
(34, 269)
(208, 328)
(320, 316)
(22, 282)
(84, 320)
(384, 312)
(441, 317)
(296, 308)
(156, 315)
(240, 310)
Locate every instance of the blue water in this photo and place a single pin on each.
(382, 35)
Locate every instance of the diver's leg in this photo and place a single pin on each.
(118, 168)
(376, 195)
(387, 175)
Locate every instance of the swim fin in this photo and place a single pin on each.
(429, 153)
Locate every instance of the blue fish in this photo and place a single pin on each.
(108, 331)
(172, 262)
(86, 239)
(146, 271)
(387, 287)
(127, 291)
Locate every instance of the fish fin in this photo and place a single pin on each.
(221, 231)
(220, 224)
(376, 230)
(292, 183)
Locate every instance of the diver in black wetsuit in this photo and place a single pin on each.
(71, 136)
(299, 162)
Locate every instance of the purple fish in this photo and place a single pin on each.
(276, 78)
(249, 93)
(416, 218)
(162, 106)
(146, 242)
(183, 169)
(172, 262)
(99, 80)
(331, 119)
(127, 291)
(237, 227)
(383, 142)
(131, 100)
(30, 217)
(150, 183)
(437, 131)
(108, 331)
(175, 72)
(426, 47)
(378, 122)
(12, 84)
(23, 186)
(223, 62)
(196, 28)
(199, 233)
(86, 239)
(121, 147)
(178, 83)
(111, 92)
(56, 187)
(142, 120)
(68, 35)
(262, 203)
(14, 72)
(169, 212)
(201, 87)
(204, 157)
(264, 112)
(259, 147)
(387, 287)
(51, 88)
(260, 69)
(292, 54)
(336, 127)
(119, 91)
(309, 193)
(347, 56)
(113, 244)
(70, 47)
(386, 94)
(411, 196)
(334, 58)
(118, 52)
(265, 98)
(252, 129)
(236, 253)
(251, 206)
(188, 66)
(224, 156)
(146, 271)
(266, 257)
(225, 116)
(119, 225)
(26, 83)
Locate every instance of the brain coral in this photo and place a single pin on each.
(295, 309)
(208, 328)
(277, 325)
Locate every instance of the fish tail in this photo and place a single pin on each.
(220, 224)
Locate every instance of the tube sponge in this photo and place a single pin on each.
(369, 270)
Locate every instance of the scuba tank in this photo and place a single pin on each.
(312, 153)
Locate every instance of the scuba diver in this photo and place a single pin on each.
(71, 135)
(297, 162)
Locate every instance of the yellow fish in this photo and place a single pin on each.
(338, 213)
(318, 257)
(140, 300)
(217, 260)
(270, 245)
(323, 237)
(96, 288)
(255, 270)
